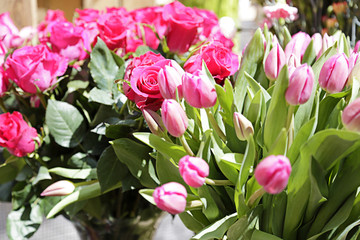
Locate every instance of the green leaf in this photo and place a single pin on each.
(103, 67)
(110, 170)
(277, 113)
(21, 193)
(169, 150)
(88, 173)
(217, 229)
(10, 169)
(255, 87)
(138, 162)
(167, 171)
(24, 222)
(310, 54)
(65, 123)
(100, 96)
(225, 97)
(148, 195)
(191, 222)
(75, 85)
(259, 235)
(42, 175)
(213, 205)
(251, 61)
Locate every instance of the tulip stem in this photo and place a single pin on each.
(218, 182)
(85, 183)
(290, 125)
(215, 125)
(257, 194)
(193, 205)
(186, 145)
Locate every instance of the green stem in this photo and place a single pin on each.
(290, 125)
(85, 183)
(186, 145)
(218, 182)
(257, 194)
(42, 100)
(215, 125)
(2, 106)
(193, 205)
(122, 109)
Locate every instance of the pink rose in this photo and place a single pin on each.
(9, 33)
(16, 135)
(146, 59)
(3, 51)
(144, 83)
(210, 21)
(220, 61)
(183, 23)
(35, 65)
(281, 10)
(4, 82)
(69, 41)
(52, 16)
(87, 19)
(113, 28)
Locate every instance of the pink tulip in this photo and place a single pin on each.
(171, 197)
(301, 83)
(169, 80)
(357, 46)
(194, 170)
(274, 62)
(243, 127)
(293, 63)
(297, 45)
(351, 116)
(174, 117)
(153, 121)
(334, 73)
(317, 43)
(198, 90)
(273, 173)
(328, 41)
(59, 188)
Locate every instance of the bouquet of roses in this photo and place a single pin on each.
(72, 94)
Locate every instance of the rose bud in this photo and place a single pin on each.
(193, 170)
(174, 117)
(273, 173)
(153, 121)
(334, 73)
(16, 135)
(198, 90)
(351, 116)
(243, 127)
(274, 62)
(169, 80)
(301, 83)
(171, 197)
(59, 188)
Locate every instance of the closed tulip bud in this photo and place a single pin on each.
(274, 62)
(193, 170)
(301, 83)
(198, 91)
(60, 188)
(273, 173)
(334, 73)
(354, 67)
(297, 45)
(171, 197)
(357, 46)
(153, 121)
(351, 116)
(328, 41)
(293, 63)
(317, 43)
(169, 80)
(174, 117)
(243, 127)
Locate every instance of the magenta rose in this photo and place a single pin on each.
(3, 52)
(144, 83)
(151, 16)
(9, 33)
(183, 23)
(220, 61)
(16, 135)
(69, 41)
(52, 16)
(4, 82)
(113, 29)
(146, 59)
(33, 66)
(87, 19)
